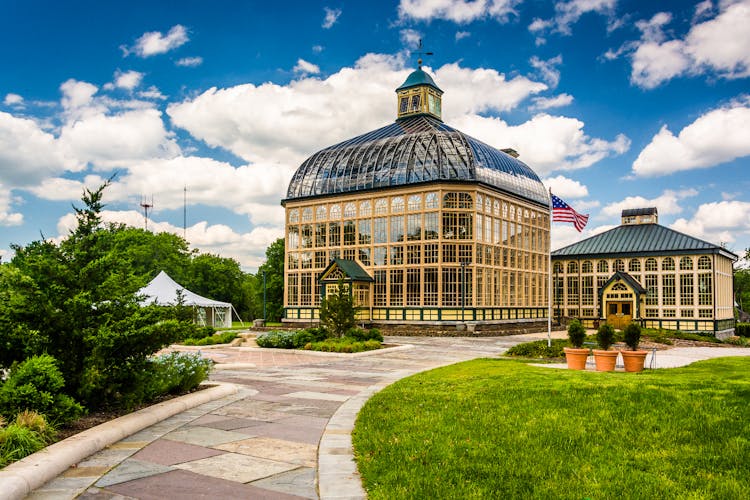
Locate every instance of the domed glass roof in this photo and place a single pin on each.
(412, 150)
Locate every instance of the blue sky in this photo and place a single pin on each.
(615, 104)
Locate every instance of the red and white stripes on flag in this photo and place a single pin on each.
(562, 212)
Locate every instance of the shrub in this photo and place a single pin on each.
(363, 335)
(177, 372)
(222, 338)
(337, 311)
(17, 442)
(344, 344)
(539, 349)
(632, 335)
(576, 333)
(277, 339)
(605, 336)
(37, 384)
(742, 330)
(37, 423)
(318, 334)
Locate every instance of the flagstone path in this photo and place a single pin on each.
(262, 442)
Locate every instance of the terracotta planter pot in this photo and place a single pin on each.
(576, 358)
(605, 360)
(633, 360)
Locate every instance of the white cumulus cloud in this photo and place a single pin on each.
(304, 68)
(189, 62)
(286, 123)
(155, 42)
(716, 137)
(718, 222)
(558, 101)
(459, 11)
(330, 18)
(568, 13)
(566, 188)
(13, 100)
(546, 143)
(717, 46)
(667, 203)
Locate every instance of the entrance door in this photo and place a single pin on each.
(619, 314)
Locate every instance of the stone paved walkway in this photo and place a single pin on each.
(272, 440)
(262, 442)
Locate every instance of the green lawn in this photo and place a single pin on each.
(505, 429)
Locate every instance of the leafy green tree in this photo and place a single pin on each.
(742, 286)
(337, 311)
(274, 271)
(220, 278)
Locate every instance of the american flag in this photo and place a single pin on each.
(562, 212)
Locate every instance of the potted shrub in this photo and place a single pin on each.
(576, 356)
(633, 359)
(605, 358)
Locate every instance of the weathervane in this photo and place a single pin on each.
(421, 53)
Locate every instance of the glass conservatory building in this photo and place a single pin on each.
(425, 223)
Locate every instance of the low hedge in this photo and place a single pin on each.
(742, 330)
(345, 344)
(279, 339)
(539, 349)
(222, 338)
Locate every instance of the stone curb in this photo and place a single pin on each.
(20, 478)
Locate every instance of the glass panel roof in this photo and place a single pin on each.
(412, 150)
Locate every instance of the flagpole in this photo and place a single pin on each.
(549, 275)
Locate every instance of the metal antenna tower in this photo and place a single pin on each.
(146, 206)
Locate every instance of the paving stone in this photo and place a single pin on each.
(168, 452)
(300, 482)
(184, 485)
(74, 485)
(236, 467)
(208, 418)
(106, 458)
(95, 493)
(85, 472)
(129, 470)
(275, 449)
(280, 430)
(229, 424)
(128, 445)
(204, 436)
(255, 410)
(317, 395)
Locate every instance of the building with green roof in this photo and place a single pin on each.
(642, 271)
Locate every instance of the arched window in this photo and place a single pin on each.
(381, 206)
(505, 209)
(686, 264)
(667, 264)
(634, 266)
(415, 202)
(365, 209)
(619, 287)
(572, 267)
(587, 267)
(480, 203)
(294, 215)
(335, 212)
(320, 213)
(704, 263)
(350, 210)
(307, 214)
(558, 268)
(651, 264)
(619, 265)
(602, 266)
(458, 200)
(431, 200)
(397, 205)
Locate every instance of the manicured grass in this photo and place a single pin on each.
(505, 429)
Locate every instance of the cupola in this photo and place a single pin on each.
(419, 95)
(640, 216)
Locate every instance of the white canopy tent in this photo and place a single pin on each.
(164, 291)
